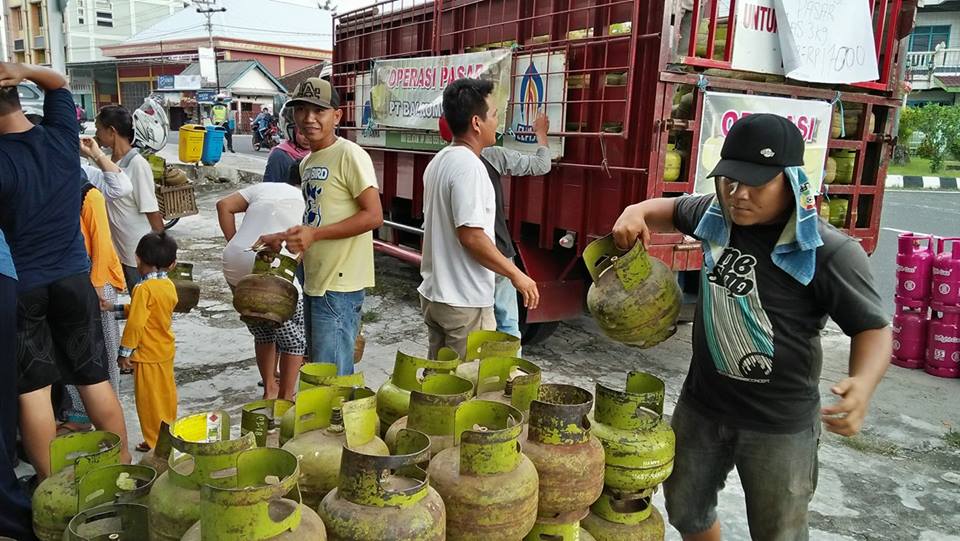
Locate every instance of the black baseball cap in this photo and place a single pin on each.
(759, 147)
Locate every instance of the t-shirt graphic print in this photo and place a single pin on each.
(738, 331)
(313, 179)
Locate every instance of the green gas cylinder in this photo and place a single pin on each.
(509, 380)
(261, 503)
(634, 298)
(433, 410)
(639, 443)
(203, 454)
(489, 487)
(636, 526)
(110, 489)
(72, 456)
(111, 522)
(326, 420)
(483, 344)
(385, 497)
(316, 375)
(263, 419)
(393, 397)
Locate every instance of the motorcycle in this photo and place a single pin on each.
(271, 137)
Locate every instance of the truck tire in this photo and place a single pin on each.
(537, 333)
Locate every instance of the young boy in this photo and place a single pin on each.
(147, 344)
(772, 273)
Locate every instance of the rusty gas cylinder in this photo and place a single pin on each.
(316, 375)
(328, 419)
(188, 291)
(489, 487)
(72, 456)
(385, 497)
(509, 380)
(261, 503)
(111, 490)
(267, 296)
(568, 458)
(433, 410)
(563, 527)
(634, 297)
(393, 397)
(113, 522)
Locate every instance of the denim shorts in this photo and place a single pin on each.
(332, 323)
(778, 473)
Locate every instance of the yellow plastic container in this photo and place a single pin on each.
(191, 142)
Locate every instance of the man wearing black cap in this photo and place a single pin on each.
(772, 274)
(336, 239)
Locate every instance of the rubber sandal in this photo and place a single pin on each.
(142, 447)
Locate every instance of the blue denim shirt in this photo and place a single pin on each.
(6, 260)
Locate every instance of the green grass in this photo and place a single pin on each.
(921, 167)
(952, 437)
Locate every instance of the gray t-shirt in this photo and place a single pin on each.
(756, 347)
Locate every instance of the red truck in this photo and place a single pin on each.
(633, 106)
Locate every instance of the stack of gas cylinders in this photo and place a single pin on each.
(926, 325)
(457, 449)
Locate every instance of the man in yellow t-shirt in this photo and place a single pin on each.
(342, 210)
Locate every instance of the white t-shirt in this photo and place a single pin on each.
(456, 192)
(127, 214)
(271, 207)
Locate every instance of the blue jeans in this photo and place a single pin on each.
(332, 322)
(778, 473)
(505, 306)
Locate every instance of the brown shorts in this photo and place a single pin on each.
(450, 325)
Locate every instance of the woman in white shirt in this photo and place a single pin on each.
(137, 213)
(267, 207)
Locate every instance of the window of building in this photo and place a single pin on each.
(926, 38)
(17, 17)
(105, 18)
(81, 12)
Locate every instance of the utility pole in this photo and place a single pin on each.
(209, 11)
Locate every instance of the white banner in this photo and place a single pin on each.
(408, 93)
(208, 64)
(828, 41)
(541, 89)
(756, 43)
(721, 110)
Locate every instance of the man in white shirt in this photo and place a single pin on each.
(460, 257)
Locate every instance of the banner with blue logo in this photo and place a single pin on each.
(408, 92)
(539, 87)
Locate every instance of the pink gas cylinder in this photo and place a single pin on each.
(943, 344)
(914, 266)
(909, 333)
(945, 284)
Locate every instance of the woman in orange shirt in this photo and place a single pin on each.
(106, 274)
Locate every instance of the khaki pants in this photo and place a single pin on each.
(449, 326)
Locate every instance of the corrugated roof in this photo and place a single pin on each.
(266, 21)
(232, 70)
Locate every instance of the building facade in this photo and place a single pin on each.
(933, 57)
(92, 24)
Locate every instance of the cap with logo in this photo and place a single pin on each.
(315, 91)
(759, 147)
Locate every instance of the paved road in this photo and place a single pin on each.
(936, 213)
(243, 144)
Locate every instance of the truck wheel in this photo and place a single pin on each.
(536, 333)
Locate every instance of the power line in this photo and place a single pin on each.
(208, 12)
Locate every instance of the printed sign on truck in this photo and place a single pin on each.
(721, 110)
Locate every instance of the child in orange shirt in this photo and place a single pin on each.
(147, 344)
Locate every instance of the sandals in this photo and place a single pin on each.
(68, 427)
(142, 447)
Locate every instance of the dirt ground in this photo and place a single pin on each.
(899, 479)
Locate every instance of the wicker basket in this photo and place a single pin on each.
(177, 201)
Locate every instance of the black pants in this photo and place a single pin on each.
(228, 136)
(14, 505)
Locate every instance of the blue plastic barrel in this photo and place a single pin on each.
(213, 145)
